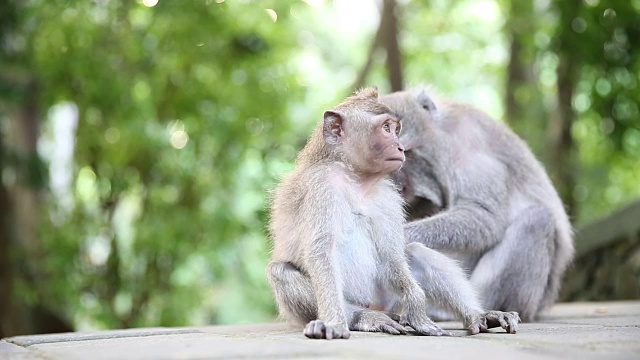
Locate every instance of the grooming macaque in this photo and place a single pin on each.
(336, 225)
(476, 192)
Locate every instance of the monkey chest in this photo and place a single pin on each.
(358, 259)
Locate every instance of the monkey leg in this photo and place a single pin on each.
(293, 292)
(513, 276)
(444, 282)
(296, 302)
(446, 285)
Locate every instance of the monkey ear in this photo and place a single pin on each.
(425, 101)
(332, 129)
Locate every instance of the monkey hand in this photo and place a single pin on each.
(491, 319)
(317, 329)
(377, 321)
(424, 326)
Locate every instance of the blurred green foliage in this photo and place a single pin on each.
(189, 111)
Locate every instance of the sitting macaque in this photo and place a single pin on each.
(338, 243)
(477, 193)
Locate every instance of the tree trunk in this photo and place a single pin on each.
(10, 322)
(524, 106)
(386, 38)
(559, 130)
(390, 34)
(21, 208)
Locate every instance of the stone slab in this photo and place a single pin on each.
(591, 309)
(567, 331)
(9, 351)
(98, 335)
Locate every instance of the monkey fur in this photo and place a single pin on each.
(477, 193)
(338, 244)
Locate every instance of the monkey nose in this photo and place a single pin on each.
(400, 148)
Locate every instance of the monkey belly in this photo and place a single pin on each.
(358, 263)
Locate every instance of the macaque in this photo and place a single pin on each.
(477, 193)
(338, 243)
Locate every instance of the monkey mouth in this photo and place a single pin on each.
(395, 159)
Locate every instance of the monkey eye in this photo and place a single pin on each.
(386, 127)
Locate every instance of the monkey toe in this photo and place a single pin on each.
(431, 330)
(389, 330)
(394, 329)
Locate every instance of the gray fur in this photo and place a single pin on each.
(477, 193)
(338, 244)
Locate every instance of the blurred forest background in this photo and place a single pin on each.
(139, 139)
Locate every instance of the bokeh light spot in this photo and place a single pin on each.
(112, 135)
(314, 3)
(272, 14)
(579, 25)
(150, 3)
(581, 103)
(603, 87)
(179, 139)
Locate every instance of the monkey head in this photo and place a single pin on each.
(418, 112)
(365, 135)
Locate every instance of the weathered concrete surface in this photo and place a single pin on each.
(568, 331)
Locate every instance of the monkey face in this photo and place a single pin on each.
(372, 145)
(385, 150)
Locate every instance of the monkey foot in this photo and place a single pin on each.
(377, 321)
(506, 320)
(428, 328)
(317, 329)
(492, 319)
(431, 330)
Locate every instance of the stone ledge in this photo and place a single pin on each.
(605, 330)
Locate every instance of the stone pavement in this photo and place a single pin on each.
(605, 330)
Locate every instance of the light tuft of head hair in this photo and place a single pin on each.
(365, 99)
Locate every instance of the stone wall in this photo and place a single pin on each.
(607, 265)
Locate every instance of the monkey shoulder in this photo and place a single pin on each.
(321, 191)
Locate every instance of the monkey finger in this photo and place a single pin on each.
(503, 323)
(513, 323)
(319, 330)
(484, 328)
(315, 330)
(308, 330)
(329, 332)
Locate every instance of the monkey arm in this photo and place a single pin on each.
(321, 234)
(325, 280)
(470, 226)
